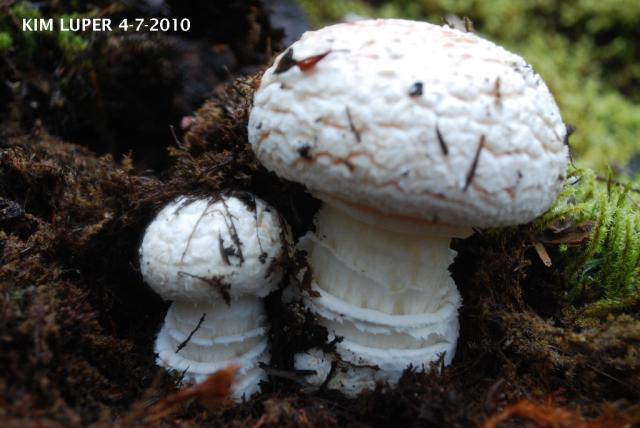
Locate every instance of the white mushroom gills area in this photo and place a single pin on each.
(214, 259)
(410, 134)
(385, 289)
(228, 335)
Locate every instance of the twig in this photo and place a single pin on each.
(186, 341)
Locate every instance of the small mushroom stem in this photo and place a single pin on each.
(202, 338)
(385, 288)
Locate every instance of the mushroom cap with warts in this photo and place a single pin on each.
(414, 120)
(199, 250)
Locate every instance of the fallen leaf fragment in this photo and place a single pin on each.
(214, 394)
(547, 415)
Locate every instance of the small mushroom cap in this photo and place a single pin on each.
(205, 250)
(412, 119)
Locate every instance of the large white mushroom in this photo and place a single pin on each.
(411, 134)
(215, 259)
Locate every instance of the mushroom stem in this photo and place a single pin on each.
(202, 338)
(385, 288)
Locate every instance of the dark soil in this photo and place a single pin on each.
(77, 324)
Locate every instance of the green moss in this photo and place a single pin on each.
(5, 41)
(22, 10)
(585, 50)
(326, 12)
(603, 268)
(71, 45)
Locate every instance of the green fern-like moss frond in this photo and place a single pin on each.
(605, 267)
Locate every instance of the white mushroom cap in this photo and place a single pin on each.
(408, 118)
(196, 250)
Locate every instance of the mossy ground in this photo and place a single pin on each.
(77, 324)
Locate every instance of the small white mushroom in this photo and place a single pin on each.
(215, 260)
(411, 134)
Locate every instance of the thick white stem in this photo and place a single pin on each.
(228, 334)
(386, 289)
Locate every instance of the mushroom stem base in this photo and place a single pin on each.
(387, 293)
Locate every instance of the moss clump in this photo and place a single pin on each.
(595, 224)
(585, 50)
(5, 41)
(74, 343)
(71, 45)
